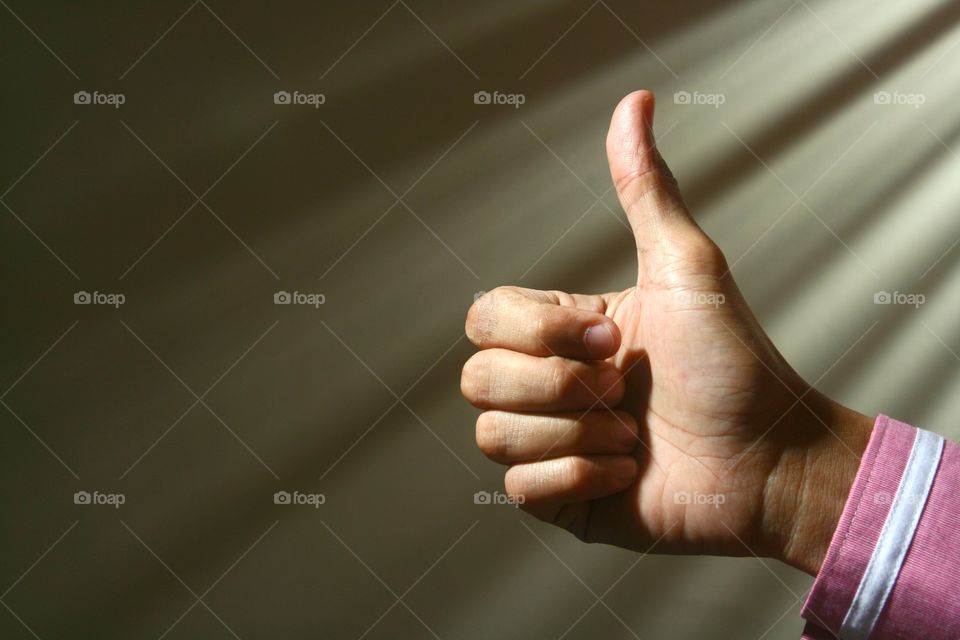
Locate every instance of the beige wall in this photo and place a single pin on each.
(199, 398)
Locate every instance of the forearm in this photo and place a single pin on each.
(813, 482)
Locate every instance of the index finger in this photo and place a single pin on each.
(535, 323)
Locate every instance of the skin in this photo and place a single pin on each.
(660, 416)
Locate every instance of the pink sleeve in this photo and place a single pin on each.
(893, 566)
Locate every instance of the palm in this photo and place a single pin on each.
(701, 390)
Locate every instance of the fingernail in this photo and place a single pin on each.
(600, 339)
(623, 470)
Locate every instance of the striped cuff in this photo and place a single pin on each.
(895, 557)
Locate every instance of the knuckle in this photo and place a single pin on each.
(578, 433)
(545, 328)
(633, 183)
(474, 380)
(561, 380)
(483, 317)
(562, 298)
(492, 438)
(500, 297)
(575, 471)
(655, 176)
(516, 481)
(480, 320)
(700, 251)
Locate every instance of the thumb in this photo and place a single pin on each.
(647, 189)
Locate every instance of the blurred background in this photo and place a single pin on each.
(240, 238)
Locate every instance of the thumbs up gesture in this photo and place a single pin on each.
(661, 415)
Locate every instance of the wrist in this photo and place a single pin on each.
(813, 480)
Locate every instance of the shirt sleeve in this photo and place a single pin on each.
(893, 566)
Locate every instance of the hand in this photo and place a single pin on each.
(662, 413)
